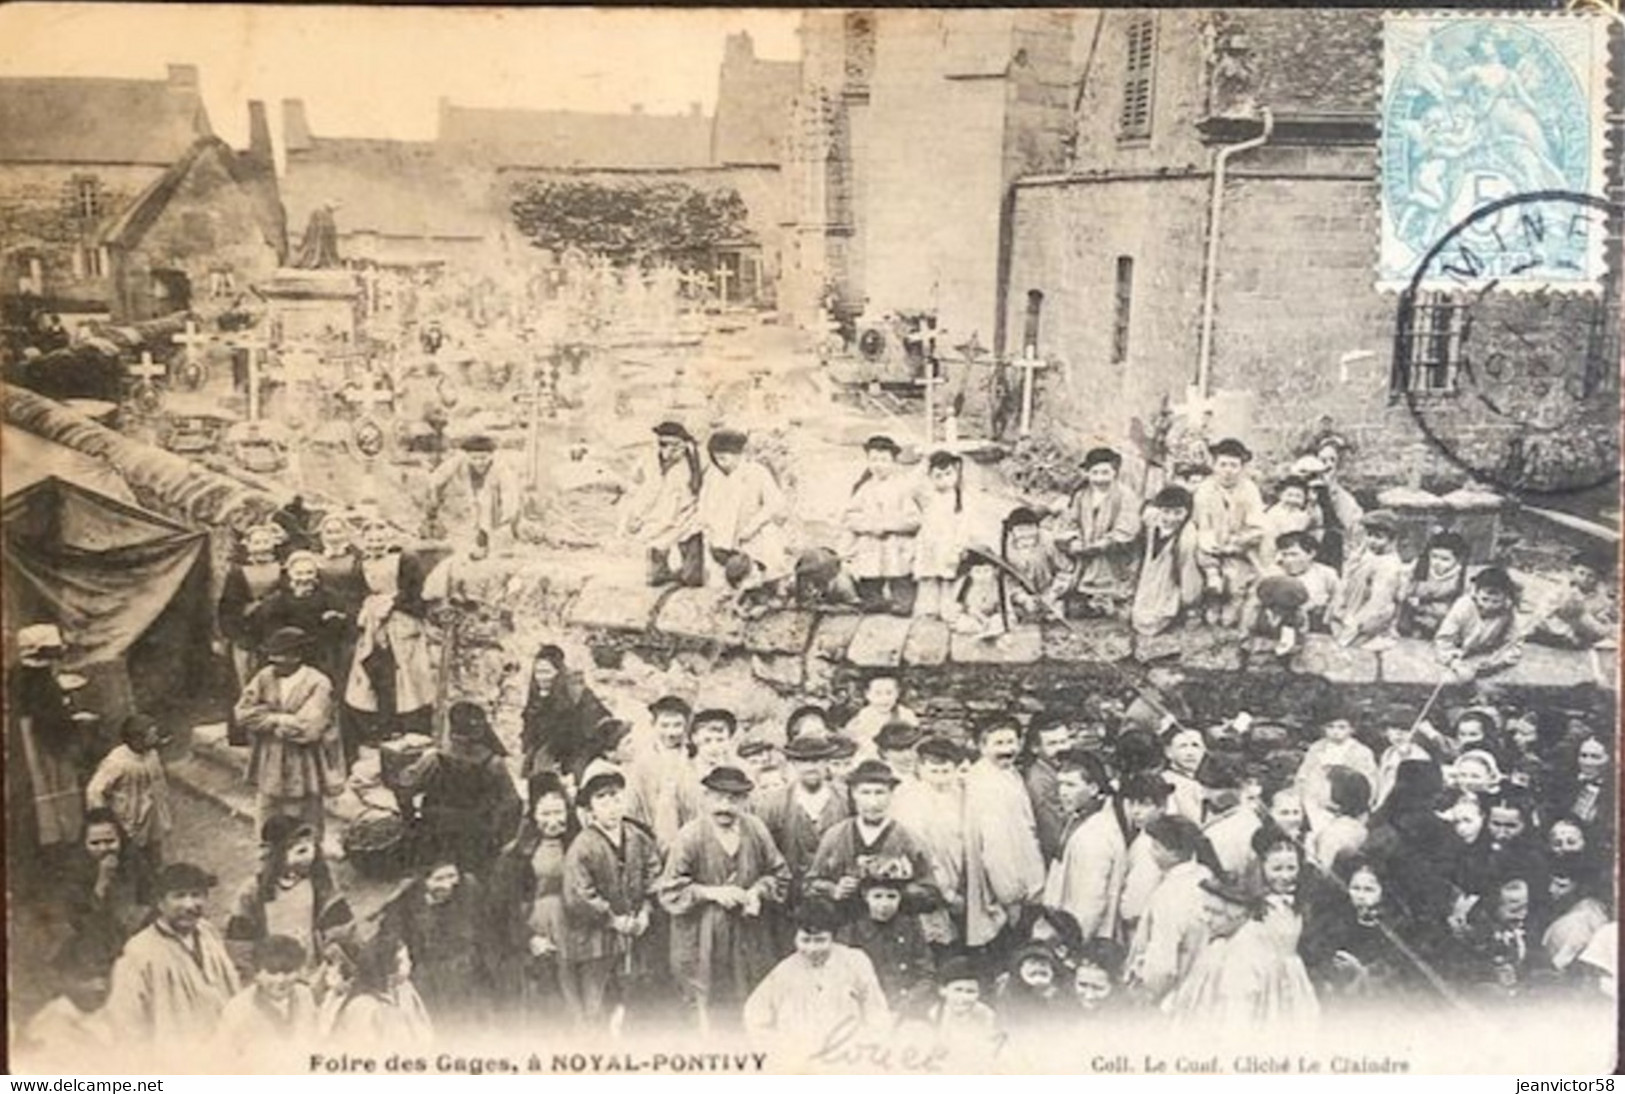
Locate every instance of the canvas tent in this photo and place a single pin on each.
(127, 586)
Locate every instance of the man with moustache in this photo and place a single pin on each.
(1004, 868)
(722, 870)
(174, 977)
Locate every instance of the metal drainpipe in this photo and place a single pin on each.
(1210, 272)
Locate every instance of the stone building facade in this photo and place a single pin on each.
(1273, 326)
(74, 153)
(910, 129)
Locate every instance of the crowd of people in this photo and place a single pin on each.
(862, 870)
(1204, 547)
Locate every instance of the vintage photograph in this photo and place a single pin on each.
(904, 541)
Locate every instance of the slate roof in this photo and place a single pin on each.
(567, 138)
(140, 214)
(404, 189)
(97, 121)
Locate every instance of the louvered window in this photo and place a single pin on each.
(1139, 75)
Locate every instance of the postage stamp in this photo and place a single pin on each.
(1479, 108)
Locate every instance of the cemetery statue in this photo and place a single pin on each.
(319, 250)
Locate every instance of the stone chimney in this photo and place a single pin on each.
(741, 48)
(183, 77)
(259, 133)
(295, 129)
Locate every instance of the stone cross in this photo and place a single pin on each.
(925, 336)
(148, 370)
(1029, 364)
(696, 282)
(254, 347)
(368, 397)
(723, 277)
(191, 340)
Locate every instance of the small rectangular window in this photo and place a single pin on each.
(1429, 356)
(1029, 331)
(1139, 71)
(1123, 307)
(87, 196)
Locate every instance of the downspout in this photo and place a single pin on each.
(1210, 271)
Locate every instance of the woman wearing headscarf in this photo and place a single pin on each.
(441, 915)
(1412, 845)
(293, 895)
(469, 804)
(561, 712)
(526, 905)
(389, 689)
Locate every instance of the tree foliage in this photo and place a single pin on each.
(635, 221)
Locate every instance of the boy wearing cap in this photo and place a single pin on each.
(174, 977)
(660, 514)
(741, 513)
(1295, 558)
(659, 791)
(871, 844)
(721, 871)
(1170, 581)
(882, 518)
(1104, 521)
(1368, 602)
(1043, 572)
(1228, 512)
(287, 708)
(610, 871)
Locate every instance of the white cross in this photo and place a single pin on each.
(1030, 363)
(925, 336)
(254, 347)
(696, 281)
(723, 277)
(191, 340)
(148, 370)
(368, 397)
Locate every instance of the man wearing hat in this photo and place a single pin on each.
(798, 814)
(1227, 511)
(475, 497)
(1244, 979)
(661, 514)
(720, 874)
(1367, 603)
(871, 844)
(174, 977)
(288, 711)
(1103, 523)
(741, 513)
(882, 517)
(610, 871)
(895, 744)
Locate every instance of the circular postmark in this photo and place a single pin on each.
(1515, 384)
